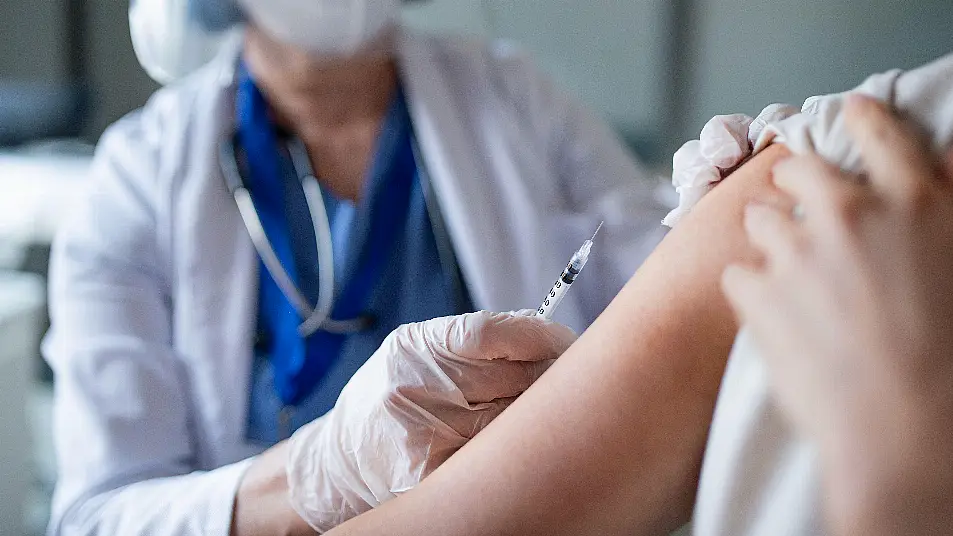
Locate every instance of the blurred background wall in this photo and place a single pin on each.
(656, 69)
(30, 43)
(744, 54)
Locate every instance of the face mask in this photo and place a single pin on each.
(326, 27)
(172, 38)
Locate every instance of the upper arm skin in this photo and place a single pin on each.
(610, 440)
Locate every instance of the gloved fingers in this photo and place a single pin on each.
(467, 423)
(410, 435)
(444, 381)
(428, 389)
(486, 336)
(320, 488)
(483, 335)
(483, 356)
(486, 413)
(561, 331)
(724, 140)
(481, 382)
(456, 361)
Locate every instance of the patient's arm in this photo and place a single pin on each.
(610, 440)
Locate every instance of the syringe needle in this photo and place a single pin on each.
(597, 231)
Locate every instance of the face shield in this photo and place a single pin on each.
(173, 38)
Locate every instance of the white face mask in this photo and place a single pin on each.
(326, 27)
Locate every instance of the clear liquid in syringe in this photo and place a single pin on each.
(566, 278)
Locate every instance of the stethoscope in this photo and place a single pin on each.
(318, 317)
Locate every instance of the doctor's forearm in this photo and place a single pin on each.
(261, 503)
(610, 440)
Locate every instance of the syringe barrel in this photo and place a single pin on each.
(571, 272)
(566, 279)
(580, 258)
(557, 292)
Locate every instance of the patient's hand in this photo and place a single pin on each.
(853, 310)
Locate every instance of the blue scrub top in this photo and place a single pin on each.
(413, 286)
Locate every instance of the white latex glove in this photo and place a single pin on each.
(725, 142)
(430, 388)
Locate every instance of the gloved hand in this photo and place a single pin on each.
(430, 388)
(724, 143)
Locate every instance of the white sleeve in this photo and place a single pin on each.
(924, 95)
(122, 415)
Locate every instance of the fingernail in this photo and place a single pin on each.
(774, 200)
(858, 99)
(858, 103)
(755, 209)
(781, 161)
(781, 165)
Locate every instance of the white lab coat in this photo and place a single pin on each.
(154, 279)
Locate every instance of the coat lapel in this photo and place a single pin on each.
(218, 282)
(491, 221)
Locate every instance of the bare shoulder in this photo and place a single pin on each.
(713, 230)
(727, 201)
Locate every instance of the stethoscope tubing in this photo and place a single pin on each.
(322, 233)
(319, 317)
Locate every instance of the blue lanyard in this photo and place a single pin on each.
(299, 365)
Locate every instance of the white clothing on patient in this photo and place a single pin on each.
(757, 477)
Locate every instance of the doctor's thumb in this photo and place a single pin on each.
(507, 336)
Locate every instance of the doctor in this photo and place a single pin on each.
(256, 231)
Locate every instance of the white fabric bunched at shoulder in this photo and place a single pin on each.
(430, 388)
(693, 176)
(725, 142)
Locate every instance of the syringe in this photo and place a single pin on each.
(566, 279)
